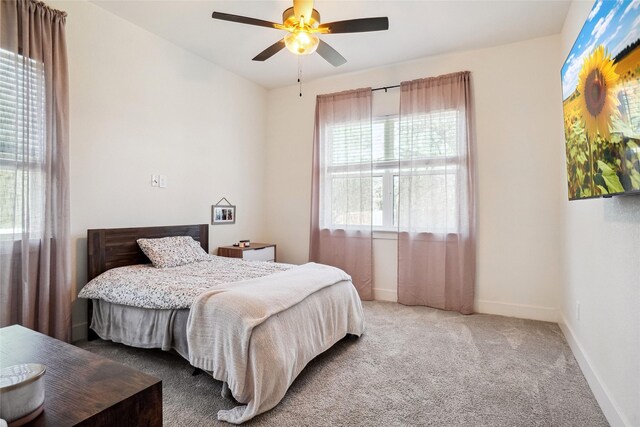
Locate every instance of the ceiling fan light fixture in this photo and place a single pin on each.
(302, 22)
(301, 42)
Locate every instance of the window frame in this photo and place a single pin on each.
(386, 169)
(30, 90)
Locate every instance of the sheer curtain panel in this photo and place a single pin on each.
(35, 270)
(341, 203)
(435, 196)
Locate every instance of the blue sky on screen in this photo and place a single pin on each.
(612, 23)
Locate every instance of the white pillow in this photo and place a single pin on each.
(172, 251)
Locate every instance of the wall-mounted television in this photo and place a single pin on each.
(601, 103)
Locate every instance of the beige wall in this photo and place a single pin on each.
(143, 106)
(602, 273)
(518, 119)
(140, 106)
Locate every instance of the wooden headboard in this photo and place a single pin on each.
(109, 248)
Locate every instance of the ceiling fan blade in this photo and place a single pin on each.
(270, 51)
(304, 8)
(330, 54)
(356, 25)
(244, 20)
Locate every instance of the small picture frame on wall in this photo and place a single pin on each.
(223, 214)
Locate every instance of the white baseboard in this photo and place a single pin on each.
(79, 332)
(600, 391)
(380, 294)
(521, 311)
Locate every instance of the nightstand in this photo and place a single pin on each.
(255, 252)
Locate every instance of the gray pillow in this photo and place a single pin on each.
(172, 251)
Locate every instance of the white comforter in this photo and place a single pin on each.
(258, 335)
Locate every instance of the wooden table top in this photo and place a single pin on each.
(248, 248)
(78, 384)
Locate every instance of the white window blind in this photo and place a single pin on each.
(426, 190)
(347, 185)
(362, 179)
(22, 131)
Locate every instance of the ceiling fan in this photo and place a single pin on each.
(302, 22)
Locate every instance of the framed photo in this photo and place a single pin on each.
(223, 214)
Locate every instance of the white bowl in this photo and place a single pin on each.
(21, 393)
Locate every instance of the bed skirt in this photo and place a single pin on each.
(142, 327)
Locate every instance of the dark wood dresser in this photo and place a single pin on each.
(82, 388)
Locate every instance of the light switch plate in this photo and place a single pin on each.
(163, 181)
(155, 180)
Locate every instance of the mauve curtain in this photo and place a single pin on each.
(35, 268)
(436, 212)
(341, 202)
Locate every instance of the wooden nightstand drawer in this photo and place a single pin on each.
(260, 254)
(255, 252)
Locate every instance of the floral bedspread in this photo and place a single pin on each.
(176, 287)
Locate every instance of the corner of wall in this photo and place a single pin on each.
(598, 299)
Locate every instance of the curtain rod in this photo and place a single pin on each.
(384, 88)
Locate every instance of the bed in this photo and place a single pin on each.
(252, 325)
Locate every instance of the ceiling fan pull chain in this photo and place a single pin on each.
(300, 76)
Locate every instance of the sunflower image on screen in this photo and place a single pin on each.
(601, 92)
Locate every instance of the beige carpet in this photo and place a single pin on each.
(414, 366)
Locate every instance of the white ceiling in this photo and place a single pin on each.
(416, 29)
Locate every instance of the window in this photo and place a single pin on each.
(363, 177)
(22, 98)
(427, 198)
